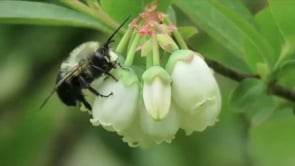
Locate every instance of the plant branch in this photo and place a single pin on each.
(281, 91)
(95, 12)
(228, 72)
(273, 88)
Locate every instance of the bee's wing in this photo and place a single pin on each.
(66, 77)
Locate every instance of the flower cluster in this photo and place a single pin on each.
(167, 87)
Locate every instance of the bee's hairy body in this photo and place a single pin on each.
(85, 64)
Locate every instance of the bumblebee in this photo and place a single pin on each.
(86, 63)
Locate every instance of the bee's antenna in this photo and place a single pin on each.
(110, 39)
(48, 97)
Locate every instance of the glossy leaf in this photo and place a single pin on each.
(25, 12)
(249, 97)
(123, 8)
(286, 73)
(269, 29)
(239, 8)
(204, 44)
(283, 12)
(187, 31)
(229, 29)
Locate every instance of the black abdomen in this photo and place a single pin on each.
(66, 92)
(70, 93)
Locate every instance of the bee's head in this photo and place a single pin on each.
(103, 52)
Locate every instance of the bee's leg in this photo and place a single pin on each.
(90, 88)
(98, 68)
(84, 101)
(122, 67)
(107, 73)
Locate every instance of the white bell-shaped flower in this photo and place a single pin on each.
(193, 81)
(117, 112)
(194, 90)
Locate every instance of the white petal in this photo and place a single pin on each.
(160, 130)
(134, 136)
(204, 116)
(117, 111)
(90, 96)
(157, 98)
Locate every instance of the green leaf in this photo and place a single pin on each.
(25, 12)
(239, 8)
(229, 29)
(164, 5)
(286, 73)
(187, 31)
(250, 98)
(270, 31)
(272, 143)
(123, 8)
(283, 12)
(210, 48)
(288, 66)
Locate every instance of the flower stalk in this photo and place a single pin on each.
(132, 50)
(156, 56)
(177, 35)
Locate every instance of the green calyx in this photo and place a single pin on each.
(156, 71)
(126, 75)
(179, 55)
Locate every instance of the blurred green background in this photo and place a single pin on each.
(58, 135)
